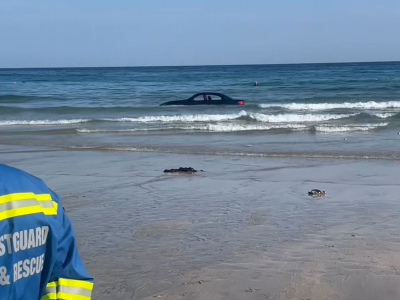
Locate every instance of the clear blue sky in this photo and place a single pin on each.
(73, 33)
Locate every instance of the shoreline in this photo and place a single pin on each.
(339, 146)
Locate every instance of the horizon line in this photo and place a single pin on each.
(209, 65)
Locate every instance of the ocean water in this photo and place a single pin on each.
(313, 110)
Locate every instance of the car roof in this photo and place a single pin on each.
(210, 94)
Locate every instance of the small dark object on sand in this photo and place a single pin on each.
(316, 192)
(184, 170)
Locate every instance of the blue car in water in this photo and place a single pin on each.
(206, 98)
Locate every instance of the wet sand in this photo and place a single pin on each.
(244, 229)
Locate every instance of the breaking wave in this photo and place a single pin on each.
(175, 120)
(232, 127)
(297, 118)
(384, 115)
(42, 122)
(248, 127)
(181, 118)
(85, 130)
(326, 106)
(229, 117)
(348, 128)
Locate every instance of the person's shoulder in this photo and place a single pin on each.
(20, 180)
(6, 170)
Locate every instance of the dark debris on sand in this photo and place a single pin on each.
(316, 193)
(188, 170)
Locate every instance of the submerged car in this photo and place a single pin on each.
(206, 99)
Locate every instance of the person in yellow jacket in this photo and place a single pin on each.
(38, 253)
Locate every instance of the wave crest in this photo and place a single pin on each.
(288, 118)
(182, 118)
(42, 122)
(349, 128)
(326, 106)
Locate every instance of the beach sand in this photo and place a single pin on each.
(243, 229)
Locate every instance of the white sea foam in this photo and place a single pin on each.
(366, 127)
(85, 130)
(182, 118)
(220, 127)
(384, 115)
(324, 106)
(229, 117)
(42, 122)
(249, 127)
(287, 118)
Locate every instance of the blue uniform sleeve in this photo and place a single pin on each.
(69, 279)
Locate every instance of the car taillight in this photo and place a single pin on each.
(241, 102)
